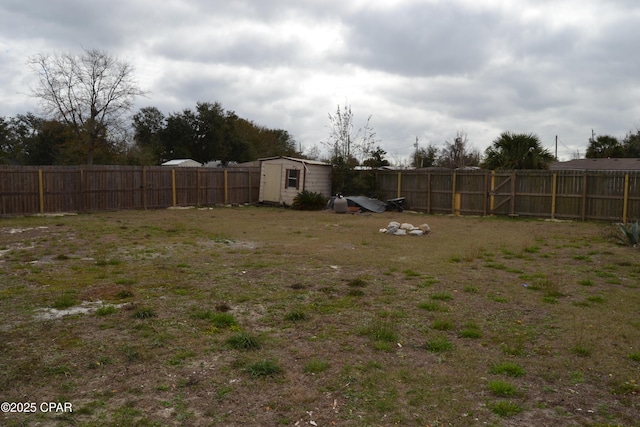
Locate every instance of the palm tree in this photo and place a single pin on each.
(517, 151)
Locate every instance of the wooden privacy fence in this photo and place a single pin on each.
(583, 195)
(48, 189)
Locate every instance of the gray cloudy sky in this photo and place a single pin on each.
(421, 68)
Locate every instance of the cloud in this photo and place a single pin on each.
(421, 68)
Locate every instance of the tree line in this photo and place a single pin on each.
(605, 146)
(206, 133)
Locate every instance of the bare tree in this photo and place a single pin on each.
(457, 154)
(90, 92)
(346, 144)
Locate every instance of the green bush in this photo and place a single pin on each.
(309, 201)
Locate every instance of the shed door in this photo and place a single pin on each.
(272, 180)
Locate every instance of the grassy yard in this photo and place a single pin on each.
(260, 316)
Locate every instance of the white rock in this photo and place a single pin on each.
(425, 228)
(416, 232)
(406, 226)
(393, 224)
(383, 230)
(400, 232)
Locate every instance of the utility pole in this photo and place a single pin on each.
(556, 147)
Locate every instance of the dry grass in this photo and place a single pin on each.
(260, 316)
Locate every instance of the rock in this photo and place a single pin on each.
(416, 232)
(383, 230)
(425, 228)
(400, 232)
(406, 226)
(393, 224)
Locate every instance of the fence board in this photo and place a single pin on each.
(104, 188)
(583, 195)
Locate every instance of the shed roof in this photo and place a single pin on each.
(598, 164)
(294, 159)
(179, 162)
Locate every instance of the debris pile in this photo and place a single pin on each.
(405, 229)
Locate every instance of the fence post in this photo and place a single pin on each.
(553, 194)
(144, 188)
(198, 187)
(513, 193)
(453, 194)
(429, 193)
(492, 197)
(40, 191)
(399, 192)
(486, 190)
(81, 191)
(226, 187)
(626, 198)
(584, 195)
(173, 186)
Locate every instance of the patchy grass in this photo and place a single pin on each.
(268, 316)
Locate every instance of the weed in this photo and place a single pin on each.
(431, 306)
(144, 313)
(509, 369)
(585, 282)
(65, 301)
(220, 320)
(380, 331)
(295, 316)
(470, 330)
(180, 356)
(502, 388)
(441, 296)
(410, 273)
(442, 325)
(505, 408)
(596, 299)
(244, 341)
(357, 283)
(635, 357)
(124, 294)
(355, 293)
(106, 310)
(315, 366)
(581, 350)
(515, 349)
(438, 345)
(264, 368)
(130, 353)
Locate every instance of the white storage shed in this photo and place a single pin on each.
(282, 178)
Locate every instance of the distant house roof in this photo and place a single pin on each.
(182, 163)
(309, 162)
(598, 164)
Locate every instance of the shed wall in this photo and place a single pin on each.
(315, 178)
